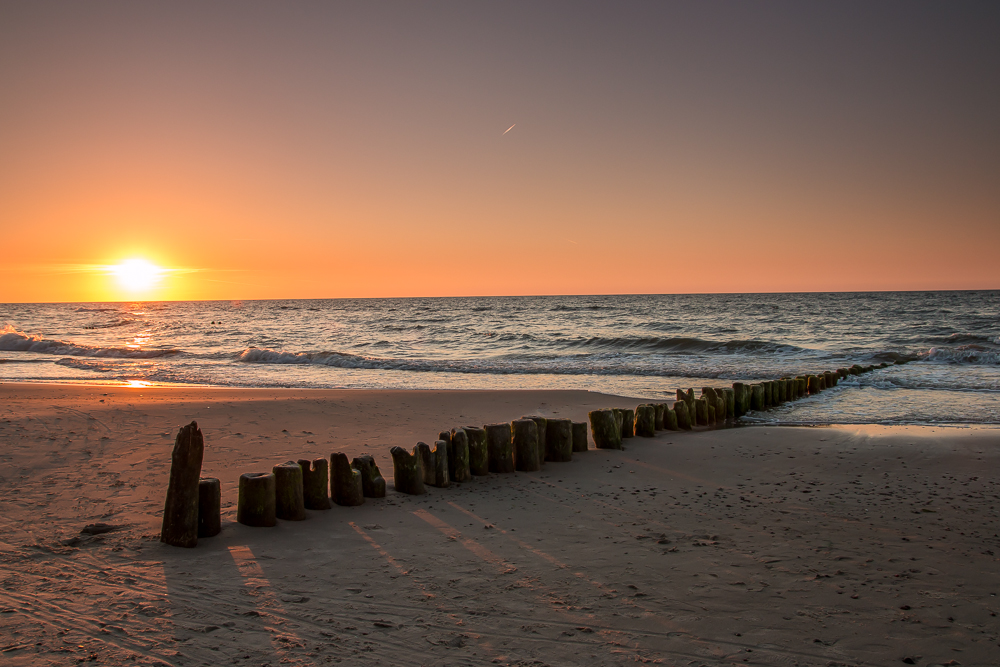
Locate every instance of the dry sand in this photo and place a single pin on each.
(795, 546)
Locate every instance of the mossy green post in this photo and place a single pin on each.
(720, 409)
(407, 473)
(315, 483)
(180, 509)
(670, 420)
(500, 448)
(683, 415)
(559, 440)
(620, 420)
(209, 507)
(346, 488)
(479, 459)
(814, 384)
(255, 505)
(458, 456)
(701, 412)
(658, 411)
(524, 434)
(756, 397)
(604, 428)
(645, 421)
(372, 482)
(628, 422)
(580, 437)
(289, 500)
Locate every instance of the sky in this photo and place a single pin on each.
(327, 149)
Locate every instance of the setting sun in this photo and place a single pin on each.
(137, 274)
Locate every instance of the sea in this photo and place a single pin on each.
(643, 346)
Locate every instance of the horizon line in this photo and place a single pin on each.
(513, 296)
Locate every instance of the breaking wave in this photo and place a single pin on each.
(684, 345)
(12, 340)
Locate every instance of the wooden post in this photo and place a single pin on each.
(289, 493)
(407, 473)
(209, 507)
(256, 503)
(604, 427)
(479, 460)
(315, 483)
(180, 510)
(525, 439)
(500, 448)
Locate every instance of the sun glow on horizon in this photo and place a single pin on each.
(137, 275)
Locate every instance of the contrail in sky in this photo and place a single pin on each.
(508, 129)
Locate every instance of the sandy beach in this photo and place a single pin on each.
(798, 546)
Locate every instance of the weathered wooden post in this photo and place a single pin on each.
(619, 419)
(524, 438)
(542, 424)
(645, 421)
(315, 483)
(458, 456)
(604, 427)
(730, 397)
(346, 488)
(500, 448)
(813, 383)
(209, 507)
(756, 397)
(683, 415)
(289, 494)
(407, 473)
(445, 437)
(580, 437)
(658, 410)
(559, 440)
(741, 405)
(372, 482)
(423, 452)
(479, 460)
(628, 422)
(670, 420)
(256, 502)
(701, 412)
(180, 510)
(720, 409)
(441, 478)
(830, 379)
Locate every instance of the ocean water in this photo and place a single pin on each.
(639, 345)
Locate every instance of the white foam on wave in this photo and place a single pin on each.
(965, 354)
(12, 340)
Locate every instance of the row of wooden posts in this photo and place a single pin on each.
(193, 503)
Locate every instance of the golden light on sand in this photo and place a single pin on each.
(137, 275)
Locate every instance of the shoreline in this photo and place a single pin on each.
(851, 545)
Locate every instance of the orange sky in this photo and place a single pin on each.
(303, 150)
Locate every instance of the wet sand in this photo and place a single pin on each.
(809, 546)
